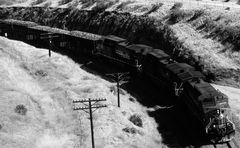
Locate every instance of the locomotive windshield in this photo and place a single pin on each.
(208, 102)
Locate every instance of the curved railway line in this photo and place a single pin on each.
(180, 79)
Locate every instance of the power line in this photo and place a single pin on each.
(90, 106)
(120, 78)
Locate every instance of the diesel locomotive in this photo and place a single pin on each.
(208, 105)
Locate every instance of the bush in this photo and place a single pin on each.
(132, 99)
(130, 130)
(176, 15)
(197, 14)
(177, 5)
(41, 73)
(136, 120)
(21, 109)
(154, 8)
(228, 8)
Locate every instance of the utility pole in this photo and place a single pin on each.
(119, 77)
(89, 107)
(48, 36)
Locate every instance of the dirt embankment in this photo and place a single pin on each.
(172, 32)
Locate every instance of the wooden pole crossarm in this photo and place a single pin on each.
(90, 107)
(97, 106)
(86, 100)
(119, 78)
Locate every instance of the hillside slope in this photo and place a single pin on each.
(197, 31)
(46, 87)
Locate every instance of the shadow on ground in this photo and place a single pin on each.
(176, 125)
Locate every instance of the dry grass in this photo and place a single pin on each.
(46, 87)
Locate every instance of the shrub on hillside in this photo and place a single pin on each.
(130, 130)
(177, 5)
(132, 99)
(176, 15)
(21, 109)
(154, 8)
(136, 120)
(197, 14)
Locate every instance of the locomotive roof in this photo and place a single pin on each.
(139, 48)
(190, 74)
(205, 88)
(207, 91)
(85, 35)
(159, 54)
(18, 22)
(50, 29)
(114, 38)
(177, 68)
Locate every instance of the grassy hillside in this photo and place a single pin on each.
(36, 106)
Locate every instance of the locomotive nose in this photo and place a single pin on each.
(220, 130)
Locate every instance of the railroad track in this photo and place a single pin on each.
(229, 145)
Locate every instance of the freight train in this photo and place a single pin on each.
(209, 105)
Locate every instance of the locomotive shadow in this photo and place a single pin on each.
(175, 124)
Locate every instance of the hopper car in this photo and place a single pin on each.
(207, 104)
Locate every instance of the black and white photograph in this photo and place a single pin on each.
(119, 73)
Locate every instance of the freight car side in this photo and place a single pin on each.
(15, 29)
